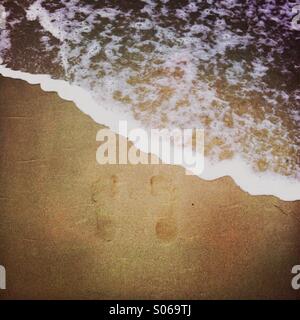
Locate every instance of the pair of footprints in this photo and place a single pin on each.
(105, 193)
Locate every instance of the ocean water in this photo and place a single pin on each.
(230, 67)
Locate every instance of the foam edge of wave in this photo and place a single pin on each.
(271, 184)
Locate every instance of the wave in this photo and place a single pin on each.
(283, 187)
(226, 67)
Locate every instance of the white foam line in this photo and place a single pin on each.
(285, 188)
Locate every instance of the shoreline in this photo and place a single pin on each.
(71, 228)
(262, 183)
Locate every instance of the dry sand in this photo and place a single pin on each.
(71, 228)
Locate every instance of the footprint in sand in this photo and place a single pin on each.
(163, 190)
(166, 229)
(104, 192)
(105, 188)
(106, 226)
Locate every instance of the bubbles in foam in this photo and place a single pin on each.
(37, 12)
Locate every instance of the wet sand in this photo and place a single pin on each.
(71, 228)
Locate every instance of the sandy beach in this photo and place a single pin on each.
(71, 228)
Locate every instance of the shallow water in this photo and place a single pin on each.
(230, 67)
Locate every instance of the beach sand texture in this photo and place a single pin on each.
(71, 228)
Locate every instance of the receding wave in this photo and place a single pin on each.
(230, 67)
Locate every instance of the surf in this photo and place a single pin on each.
(184, 65)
